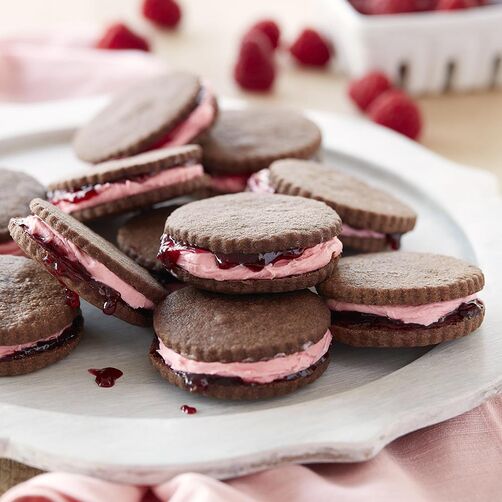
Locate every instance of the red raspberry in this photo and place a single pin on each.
(255, 68)
(455, 4)
(425, 5)
(163, 13)
(270, 29)
(391, 6)
(365, 90)
(311, 49)
(397, 111)
(361, 6)
(119, 36)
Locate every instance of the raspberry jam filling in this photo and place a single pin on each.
(61, 265)
(170, 252)
(92, 195)
(48, 344)
(467, 310)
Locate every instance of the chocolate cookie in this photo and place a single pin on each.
(87, 264)
(282, 342)
(16, 191)
(122, 185)
(170, 110)
(245, 141)
(40, 322)
(403, 299)
(373, 220)
(252, 243)
(139, 238)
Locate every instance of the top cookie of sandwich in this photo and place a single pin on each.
(402, 278)
(245, 141)
(358, 204)
(253, 223)
(17, 189)
(140, 117)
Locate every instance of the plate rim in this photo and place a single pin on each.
(33, 436)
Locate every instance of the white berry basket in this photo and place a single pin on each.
(427, 52)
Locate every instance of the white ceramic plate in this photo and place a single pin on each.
(59, 419)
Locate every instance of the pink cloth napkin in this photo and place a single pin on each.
(456, 461)
(459, 460)
(66, 65)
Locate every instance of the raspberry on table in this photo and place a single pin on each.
(119, 36)
(255, 67)
(397, 111)
(365, 90)
(311, 49)
(270, 29)
(163, 13)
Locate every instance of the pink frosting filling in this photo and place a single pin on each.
(100, 273)
(260, 182)
(204, 265)
(229, 184)
(10, 247)
(267, 371)
(416, 314)
(7, 350)
(108, 192)
(200, 119)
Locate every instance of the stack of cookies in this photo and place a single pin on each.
(246, 291)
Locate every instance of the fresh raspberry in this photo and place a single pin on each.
(270, 29)
(361, 6)
(163, 13)
(378, 7)
(397, 111)
(255, 68)
(119, 36)
(455, 4)
(365, 90)
(425, 5)
(311, 49)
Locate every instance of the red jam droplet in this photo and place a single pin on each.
(393, 241)
(74, 197)
(188, 410)
(106, 377)
(72, 299)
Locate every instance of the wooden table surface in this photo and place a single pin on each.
(464, 128)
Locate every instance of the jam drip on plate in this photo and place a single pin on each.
(170, 251)
(105, 377)
(467, 310)
(188, 410)
(393, 241)
(42, 346)
(62, 267)
(200, 383)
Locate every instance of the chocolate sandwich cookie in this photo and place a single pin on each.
(40, 323)
(252, 243)
(170, 110)
(245, 141)
(282, 342)
(403, 299)
(123, 185)
(17, 189)
(87, 264)
(373, 220)
(139, 238)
